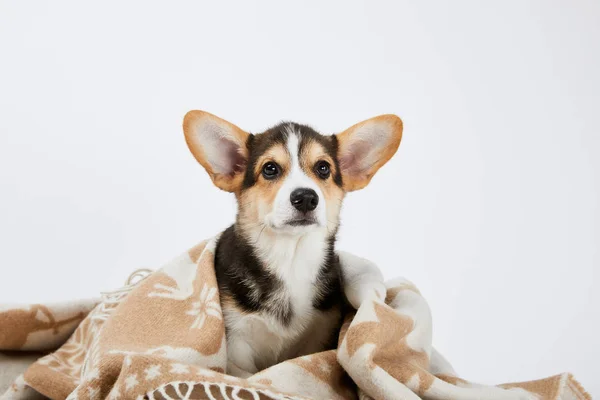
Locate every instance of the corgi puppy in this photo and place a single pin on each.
(282, 284)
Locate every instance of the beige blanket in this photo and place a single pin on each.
(163, 337)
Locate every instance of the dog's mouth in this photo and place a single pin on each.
(301, 222)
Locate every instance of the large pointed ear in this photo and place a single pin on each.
(219, 146)
(365, 147)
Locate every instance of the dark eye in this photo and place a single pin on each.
(270, 170)
(322, 169)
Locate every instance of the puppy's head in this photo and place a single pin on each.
(290, 179)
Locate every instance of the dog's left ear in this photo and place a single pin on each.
(219, 146)
(366, 147)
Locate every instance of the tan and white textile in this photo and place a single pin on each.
(164, 338)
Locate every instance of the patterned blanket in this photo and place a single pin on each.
(163, 337)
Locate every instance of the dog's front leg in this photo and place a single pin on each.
(362, 279)
(234, 370)
(240, 358)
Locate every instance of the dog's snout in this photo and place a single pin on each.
(304, 199)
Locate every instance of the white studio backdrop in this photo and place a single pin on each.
(491, 205)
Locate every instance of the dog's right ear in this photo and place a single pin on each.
(219, 146)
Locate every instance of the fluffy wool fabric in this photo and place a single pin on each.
(164, 338)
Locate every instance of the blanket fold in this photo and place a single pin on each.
(163, 337)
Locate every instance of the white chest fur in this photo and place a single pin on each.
(258, 340)
(296, 261)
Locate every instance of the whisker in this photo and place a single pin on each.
(260, 233)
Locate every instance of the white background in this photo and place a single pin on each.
(491, 205)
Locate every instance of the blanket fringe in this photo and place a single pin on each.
(184, 390)
(137, 276)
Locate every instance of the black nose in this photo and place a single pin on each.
(304, 200)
